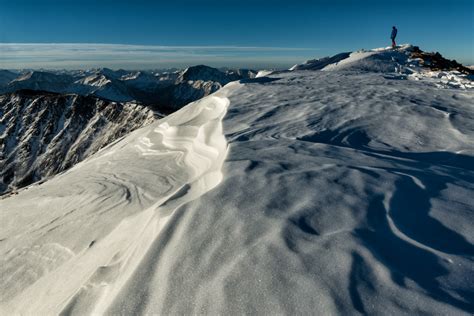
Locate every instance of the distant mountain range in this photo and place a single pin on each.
(166, 91)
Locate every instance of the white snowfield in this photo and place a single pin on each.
(303, 192)
(70, 244)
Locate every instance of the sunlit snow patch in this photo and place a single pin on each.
(116, 203)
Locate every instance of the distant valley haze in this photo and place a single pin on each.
(126, 56)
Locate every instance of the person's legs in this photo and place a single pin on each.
(393, 43)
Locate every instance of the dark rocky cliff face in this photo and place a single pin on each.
(43, 134)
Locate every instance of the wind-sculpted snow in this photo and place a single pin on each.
(103, 214)
(342, 192)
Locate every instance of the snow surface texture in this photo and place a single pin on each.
(93, 224)
(342, 192)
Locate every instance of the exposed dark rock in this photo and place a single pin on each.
(436, 61)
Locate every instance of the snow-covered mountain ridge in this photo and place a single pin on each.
(161, 90)
(42, 134)
(159, 167)
(25, 158)
(405, 62)
(300, 192)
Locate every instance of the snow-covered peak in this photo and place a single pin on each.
(139, 76)
(377, 59)
(405, 61)
(383, 59)
(95, 80)
(113, 74)
(402, 47)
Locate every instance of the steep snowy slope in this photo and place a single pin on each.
(341, 192)
(102, 86)
(93, 224)
(42, 134)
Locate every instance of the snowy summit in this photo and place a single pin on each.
(344, 185)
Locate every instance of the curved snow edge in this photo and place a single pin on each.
(90, 281)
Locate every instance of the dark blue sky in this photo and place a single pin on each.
(294, 30)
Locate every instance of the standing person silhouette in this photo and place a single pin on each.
(393, 35)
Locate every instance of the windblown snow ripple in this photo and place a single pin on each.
(119, 200)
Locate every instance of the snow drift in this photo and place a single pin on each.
(93, 224)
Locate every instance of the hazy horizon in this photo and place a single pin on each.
(82, 56)
(249, 34)
(141, 57)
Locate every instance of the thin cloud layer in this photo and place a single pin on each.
(69, 56)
